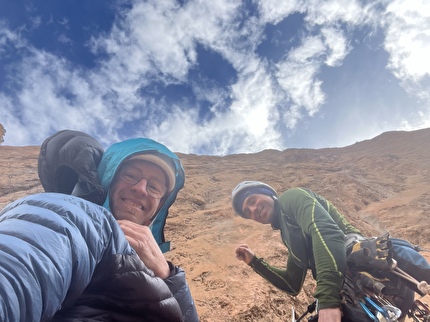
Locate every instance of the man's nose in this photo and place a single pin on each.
(141, 186)
(252, 210)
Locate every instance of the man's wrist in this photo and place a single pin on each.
(255, 260)
(173, 270)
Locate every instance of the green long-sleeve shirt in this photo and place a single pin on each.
(314, 233)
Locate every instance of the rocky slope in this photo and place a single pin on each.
(381, 185)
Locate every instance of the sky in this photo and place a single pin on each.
(214, 77)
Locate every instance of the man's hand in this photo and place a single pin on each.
(373, 253)
(329, 315)
(244, 253)
(141, 239)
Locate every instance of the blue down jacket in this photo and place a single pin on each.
(62, 252)
(67, 163)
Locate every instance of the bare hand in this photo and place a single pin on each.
(143, 242)
(244, 253)
(329, 315)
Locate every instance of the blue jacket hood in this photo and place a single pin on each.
(121, 151)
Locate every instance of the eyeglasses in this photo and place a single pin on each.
(154, 187)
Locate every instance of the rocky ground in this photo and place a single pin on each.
(381, 185)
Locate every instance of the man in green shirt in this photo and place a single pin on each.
(313, 231)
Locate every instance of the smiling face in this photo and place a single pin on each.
(259, 207)
(133, 189)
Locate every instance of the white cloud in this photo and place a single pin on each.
(45, 83)
(165, 35)
(336, 44)
(248, 126)
(298, 76)
(157, 38)
(407, 41)
(408, 38)
(156, 41)
(335, 11)
(274, 11)
(7, 36)
(422, 122)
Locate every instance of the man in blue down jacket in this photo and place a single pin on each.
(63, 258)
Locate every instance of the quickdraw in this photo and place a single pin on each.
(311, 308)
(377, 313)
(420, 312)
(385, 312)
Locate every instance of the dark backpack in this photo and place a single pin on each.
(68, 163)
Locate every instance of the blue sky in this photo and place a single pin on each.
(214, 77)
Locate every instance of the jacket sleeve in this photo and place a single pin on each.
(50, 245)
(290, 280)
(178, 285)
